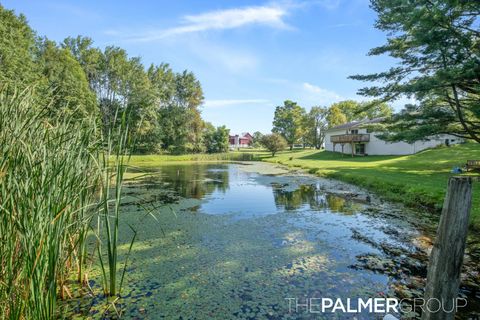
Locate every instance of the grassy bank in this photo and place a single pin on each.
(155, 160)
(417, 180)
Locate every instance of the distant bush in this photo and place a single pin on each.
(274, 142)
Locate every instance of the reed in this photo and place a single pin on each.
(112, 166)
(53, 175)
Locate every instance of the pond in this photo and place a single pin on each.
(223, 241)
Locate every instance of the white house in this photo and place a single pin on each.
(355, 138)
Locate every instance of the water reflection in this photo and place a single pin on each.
(226, 189)
(310, 197)
(191, 180)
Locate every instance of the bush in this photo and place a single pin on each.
(274, 142)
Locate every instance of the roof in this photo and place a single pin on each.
(356, 124)
(244, 135)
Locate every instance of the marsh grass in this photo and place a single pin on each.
(54, 180)
(113, 166)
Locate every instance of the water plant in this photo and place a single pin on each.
(53, 173)
(113, 166)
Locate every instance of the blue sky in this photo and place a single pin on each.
(249, 55)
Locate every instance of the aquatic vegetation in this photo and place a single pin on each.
(48, 187)
(110, 206)
(51, 189)
(241, 242)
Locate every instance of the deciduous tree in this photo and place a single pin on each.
(288, 121)
(315, 126)
(274, 142)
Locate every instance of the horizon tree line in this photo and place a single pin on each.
(162, 106)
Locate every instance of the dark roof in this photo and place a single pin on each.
(356, 124)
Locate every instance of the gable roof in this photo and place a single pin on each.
(356, 124)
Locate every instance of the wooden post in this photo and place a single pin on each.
(446, 259)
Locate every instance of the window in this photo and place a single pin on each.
(360, 148)
(355, 131)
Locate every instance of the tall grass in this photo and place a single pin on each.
(52, 184)
(117, 142)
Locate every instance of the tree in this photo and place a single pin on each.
(437, 44)
(257, 138)
(315, 126)
(355, 111)
(335, 116)
(65, 81)
(18, 50)
(90, 58)
(274, 142)
(216, 139)
(288, 121)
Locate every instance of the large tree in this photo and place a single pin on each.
(18, 51)
(178, 97)
(437, 43)
(65, 81)
(288, 121)
(315, 126)
(354, 110)
(216, 139)
(335, 116)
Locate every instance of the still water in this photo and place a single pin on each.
(224, 241)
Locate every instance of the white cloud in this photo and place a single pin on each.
(268, 15)
(320, 95)
(232, 102)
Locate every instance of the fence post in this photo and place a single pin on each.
(443, 278)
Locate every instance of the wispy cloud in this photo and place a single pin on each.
(232, 102)
(268, 15)
(320, 95)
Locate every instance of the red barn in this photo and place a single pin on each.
(240, 141)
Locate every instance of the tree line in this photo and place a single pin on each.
(162, 106)
(293, 124)
(437, 44)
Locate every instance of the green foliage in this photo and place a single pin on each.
(274, 142)
(65, 82)
(257, 138)
(216, 139)
(335, 116)
(288, 121)
(49, 186)
(354, 110)
(436, 43)
(177, 98)
(17, 50)
(315, 125)
(162, 105)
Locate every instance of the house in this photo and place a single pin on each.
(240, 141)
(355, 138)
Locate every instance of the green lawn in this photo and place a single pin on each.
(419, 179)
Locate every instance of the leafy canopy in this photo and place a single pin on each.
(437, 45)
